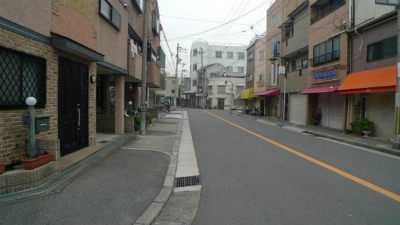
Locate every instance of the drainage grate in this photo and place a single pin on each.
(187, 181)
(103, 142)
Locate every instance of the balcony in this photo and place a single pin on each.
(329, 57)
(135, 66)
(153, 75)
(325, 9)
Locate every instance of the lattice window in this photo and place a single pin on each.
(21, 76)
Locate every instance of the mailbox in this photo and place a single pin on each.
(42, 123)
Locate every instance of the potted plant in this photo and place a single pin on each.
(39, 160)
(362, 126)
(2, 167)
(149, 118)
(137, 123)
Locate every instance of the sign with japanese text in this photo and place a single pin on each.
(274, 75)
(324, 74)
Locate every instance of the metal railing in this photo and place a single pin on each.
(328, 57)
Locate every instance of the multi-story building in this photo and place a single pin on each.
(54, 52)
(247, 94)
(233, 58)
(260, 77)
(223, 87)
(294, 55)
(370, 87)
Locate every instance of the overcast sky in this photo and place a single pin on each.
(182, 18)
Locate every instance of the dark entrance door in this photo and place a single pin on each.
(221, 104)
(262, 107)
(72, 106)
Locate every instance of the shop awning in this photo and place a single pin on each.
(317, 90)
(272, 92)
(370, 81)
(247, 93)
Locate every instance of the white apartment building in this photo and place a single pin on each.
(233, 58)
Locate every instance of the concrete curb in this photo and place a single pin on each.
(347, 141)
(158, 204)
(373, 147)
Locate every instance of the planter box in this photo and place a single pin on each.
(2, 167)
(38, 162)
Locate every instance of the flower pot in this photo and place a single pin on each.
(2, 167)
(366, 133)
(38, 162)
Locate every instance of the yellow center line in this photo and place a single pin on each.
(349, 176)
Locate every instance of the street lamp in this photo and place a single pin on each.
(31, 102)
(226, 82)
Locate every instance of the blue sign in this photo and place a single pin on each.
(319, 76)
(275, 45)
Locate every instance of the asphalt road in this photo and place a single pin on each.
(247, 180)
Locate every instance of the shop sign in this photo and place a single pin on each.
(328, 73)
(274, 73)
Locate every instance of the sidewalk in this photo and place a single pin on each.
(366, 142)
(115, 189)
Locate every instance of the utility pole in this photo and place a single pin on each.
(144, 72)
(177, 60)
(203, 76)
(396, 138)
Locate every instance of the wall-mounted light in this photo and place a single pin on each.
(130, 87)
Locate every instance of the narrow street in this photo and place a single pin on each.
(247, 180)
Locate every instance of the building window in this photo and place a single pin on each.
(275, 19)
(138, 5)
(218, 54)
(386, 2)
(239, 89)
(261, 77)
(194, 67)
(240, 55)
(173, 91)
(229, 68)
(325, 8)
(155, 23)
(194, 52)
(240, 69)
(230, 55)
(250, 77)
(212, 75)
(288, 33)
(262, 55)
(294, 65)
(327, 51)
(209, 89)
(383, 49)
(304, 63)
(110, 14)
(194, 83)
(21, 76)
(221, 89)
(250, 56)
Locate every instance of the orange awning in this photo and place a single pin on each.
(370, 81)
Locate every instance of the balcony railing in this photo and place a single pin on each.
(153, 75)
(328, 10)
(135, 65)
(329, 57)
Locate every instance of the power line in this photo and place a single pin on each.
(201, 20)
(245, 14)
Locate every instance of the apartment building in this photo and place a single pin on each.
(294, 55)
(80, 60)
(371, 84)
(202, 54)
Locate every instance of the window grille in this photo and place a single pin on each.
(21, 76)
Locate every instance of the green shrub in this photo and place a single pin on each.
(137, 123)
(361, 125)
(149, 118)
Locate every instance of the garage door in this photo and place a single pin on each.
(297, 109)
(331, 105)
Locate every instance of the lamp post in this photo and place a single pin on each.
(226, 82)
(31, 102)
